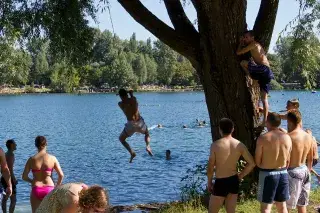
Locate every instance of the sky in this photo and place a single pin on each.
(125, 25)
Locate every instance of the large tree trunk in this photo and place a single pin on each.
(222, 78)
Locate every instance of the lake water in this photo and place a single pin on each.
(82, 132)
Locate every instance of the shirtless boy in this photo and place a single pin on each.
(299, 173)
(272, 157)
(129, 106)
(258, 68)
(224, 155)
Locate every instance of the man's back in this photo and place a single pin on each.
(227, 152)
(275, 150)
(302, 145)
(130, 108)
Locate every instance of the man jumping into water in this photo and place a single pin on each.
(258, 67)
(129, 106)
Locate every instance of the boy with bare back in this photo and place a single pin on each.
(224, 156)
(299, 172)
(258, 67)
(129, 106)
(272, 158)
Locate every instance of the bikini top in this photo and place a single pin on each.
(43, 170)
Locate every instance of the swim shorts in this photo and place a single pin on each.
(262, 74)
(300, 185)
(273, 185)
(224, 186)
(5, 185)
(135, 126)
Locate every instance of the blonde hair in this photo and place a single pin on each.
(94, 197)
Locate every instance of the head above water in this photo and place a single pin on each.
(40, 142)
(293, 104)
(294, 118)
(11, 145)
(123, 93)
(226, 126)
(273, 120)
(94, 199)
(248, 36)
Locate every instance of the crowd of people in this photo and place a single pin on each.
(284, 158)
(47, 196)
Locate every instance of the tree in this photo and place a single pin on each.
(300, 59)
(165, 58)
(133, 44)
(151, 66)
(183, 74)
(64, 77)
(140, 69)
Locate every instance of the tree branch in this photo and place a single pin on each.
(179, 19)
(264, 24)
(161, 30)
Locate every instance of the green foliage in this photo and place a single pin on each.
(300, 60)
(64, 77)
(275, 85)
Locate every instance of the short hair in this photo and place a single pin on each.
(274, 119)
(168, 151)
(294, 116)
(250, 32)
(294, 102)
(9, 143)
(94, 197)
(226, 126)
(123, 93)
(40, 142)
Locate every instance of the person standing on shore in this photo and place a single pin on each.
(272, 158)
(299, 172)
(129, 106)
(6, 176)
(11, 146)
(224, 156)
(42, 165)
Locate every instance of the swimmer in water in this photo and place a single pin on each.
(168, 154)
(160, 126)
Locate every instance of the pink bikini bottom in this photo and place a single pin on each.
(41, 191)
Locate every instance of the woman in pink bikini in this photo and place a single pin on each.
(41, 164)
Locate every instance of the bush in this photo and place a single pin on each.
(275, 85)
(29, 89)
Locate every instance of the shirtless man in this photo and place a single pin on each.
(224, 156)
(292, 104)
(11, 145)
(129, 106)
(315, 155)
(257, 68)
(272, 157)
(299, 173)
(5, 174)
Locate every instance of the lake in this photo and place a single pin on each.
(83, 130)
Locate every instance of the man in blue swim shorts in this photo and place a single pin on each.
(272, 158)
(258, 67)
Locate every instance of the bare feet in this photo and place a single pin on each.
(148, 149)
(133, 155)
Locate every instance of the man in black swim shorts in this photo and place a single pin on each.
(224, 155)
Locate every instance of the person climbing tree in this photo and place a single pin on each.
(258, 68)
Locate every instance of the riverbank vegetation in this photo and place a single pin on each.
(144, 65)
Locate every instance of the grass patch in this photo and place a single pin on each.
(249, 206)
